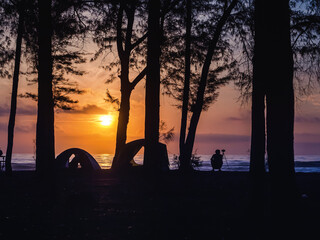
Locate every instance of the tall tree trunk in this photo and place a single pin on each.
(273, 79)
(257, 154)
(45, 153)
(280, 103)
(152, 102)
(280, 119)
(185, 163)
(203, 81)
(123, 121)
(123, 118)
(258, 138)
(124, 110)
(14, 93)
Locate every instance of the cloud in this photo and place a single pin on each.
(3, 127)
(307, 119)
(207, 143)
(221, 138)
(89, 109)
(245, 116)
(21, 110)
(26, 128)
(18, 128)
(307, 148)
(4, 110)
(234, 119)
(230, 138)
(314, 99)
(307, 137)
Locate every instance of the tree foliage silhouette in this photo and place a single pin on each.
(65, 28)
(305, 37)
(50, 33)
(128, 31)
(69, 33)
(208, 45)
(123, 24)
(8, 28)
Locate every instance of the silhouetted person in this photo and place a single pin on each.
(1, 160)
(216, 160)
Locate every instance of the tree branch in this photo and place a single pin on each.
(300, 34)
(140, 40)
(138, 78)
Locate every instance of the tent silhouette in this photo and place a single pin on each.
(127, 153)
(81, 157)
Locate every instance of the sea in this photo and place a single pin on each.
(303, 163)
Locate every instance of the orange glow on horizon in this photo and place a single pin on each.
(106, 120)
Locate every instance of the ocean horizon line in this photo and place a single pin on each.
(232, 162)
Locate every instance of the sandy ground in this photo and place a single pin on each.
(103, 205)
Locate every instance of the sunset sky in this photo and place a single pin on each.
(225, 125)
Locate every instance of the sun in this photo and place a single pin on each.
(106, 120)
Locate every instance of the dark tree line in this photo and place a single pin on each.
(199, 103)
(129, 42)
(198, 61)
(189, 47)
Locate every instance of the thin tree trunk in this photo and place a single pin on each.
(203, 81)
(185, 163)
(152, 102)
(45, 153)
(14, 94)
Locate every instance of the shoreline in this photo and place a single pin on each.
(303, 163)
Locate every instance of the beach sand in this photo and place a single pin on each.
(103, 205)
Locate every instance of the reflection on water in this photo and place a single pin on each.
(104, 160)
(305, 163)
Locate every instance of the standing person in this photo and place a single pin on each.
(2, 161)
(216, 160)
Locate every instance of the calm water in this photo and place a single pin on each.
(306, 163)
